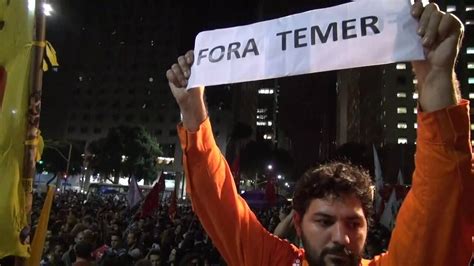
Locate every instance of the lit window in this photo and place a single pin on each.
(261, 116)
(415, 95)
(415, 125)
(415, 81)
(472, 126)
(261, 123)
(470, 8)
(401, 66)
(402, 125)
(471, 95)
(265, 91)
(470, 65)
(267, 136)
(415, 110)
(401, 110)
(472, 142)
(80, 78)
(470, 80)
(401, 95)
(470, 50)
(150, 79)
(270, 123)
(402, 141)
(450, 8)
(261, 111)
(469, 22)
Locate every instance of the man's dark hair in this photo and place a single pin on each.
(334, 179)
(83, 250)
(143, 262)
(154, 251)
(117, 234)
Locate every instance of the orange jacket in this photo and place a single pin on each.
(432, 227)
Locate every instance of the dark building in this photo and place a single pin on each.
(378, 105)
(113, 59)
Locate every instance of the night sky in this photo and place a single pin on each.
(307, 105)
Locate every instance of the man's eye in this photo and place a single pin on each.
(354, 225)
(324, 223)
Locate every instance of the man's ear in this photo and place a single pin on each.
(297, 220)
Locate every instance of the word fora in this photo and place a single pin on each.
(217, 53)
(348, 28)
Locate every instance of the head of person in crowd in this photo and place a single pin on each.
(192, 259)
(79, 237)
(141, 224)
(58, 249)
(154, 257)
(71, 218)
(143, 262)
(87, 221)
(115, 240)
(89, 236)
(333, 205)
(83, 251)
(132, 238)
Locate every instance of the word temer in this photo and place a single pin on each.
(348, 28)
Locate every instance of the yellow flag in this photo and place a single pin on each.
(40, 233)
(16, 33)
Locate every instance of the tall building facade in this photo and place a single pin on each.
(113, 63)
(378, 105)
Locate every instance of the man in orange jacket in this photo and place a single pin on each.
(333, 203)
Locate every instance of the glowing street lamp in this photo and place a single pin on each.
(47, 9)
(270, 167)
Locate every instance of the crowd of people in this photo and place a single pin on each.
(103, 230)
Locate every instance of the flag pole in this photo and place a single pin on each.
(34, 109)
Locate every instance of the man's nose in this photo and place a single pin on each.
(340, 234)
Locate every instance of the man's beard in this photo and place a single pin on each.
(347, 257)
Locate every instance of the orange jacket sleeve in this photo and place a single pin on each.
(225, 216)
(433, 223)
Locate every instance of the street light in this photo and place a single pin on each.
(280, 177)
(47, 9)
(270, 167)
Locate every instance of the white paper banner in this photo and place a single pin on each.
(356, 34)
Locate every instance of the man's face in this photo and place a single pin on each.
(79, 237)
(333, 231)
(58, 249)
(114, 241)
(155, 260)
(130, 239)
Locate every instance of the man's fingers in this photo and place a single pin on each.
(417, 9)
(189, 57)
(184, 66)
(172, 80)
(447, 23)
(431, 32)
(425, 18)
(179, 75)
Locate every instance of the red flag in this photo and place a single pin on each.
(173, 206)
(152, 200)
(3, 83)
(270, 193)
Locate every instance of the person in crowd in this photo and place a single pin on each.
(70, 256)
(83, 252)
(154, 257)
